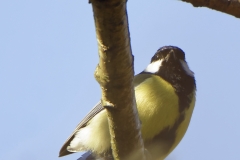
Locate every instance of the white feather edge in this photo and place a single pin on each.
(86, 139)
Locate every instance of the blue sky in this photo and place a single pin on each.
(48, 54)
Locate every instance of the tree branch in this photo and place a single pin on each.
(115, 75)
(231, 7)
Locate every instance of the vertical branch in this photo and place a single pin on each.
(115, 75)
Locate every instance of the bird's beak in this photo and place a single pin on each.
(171, 55)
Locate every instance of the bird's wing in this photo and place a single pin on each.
(96, 109)
(138, 79)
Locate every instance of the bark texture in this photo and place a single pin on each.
(115, 75)
(231, 7)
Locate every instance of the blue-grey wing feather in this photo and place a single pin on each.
(96, 109)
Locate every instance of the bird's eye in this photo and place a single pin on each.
(156, 57)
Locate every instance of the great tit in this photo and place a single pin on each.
(165, 96)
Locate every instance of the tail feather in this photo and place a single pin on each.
(92, 156)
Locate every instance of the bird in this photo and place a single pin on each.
(165, 93)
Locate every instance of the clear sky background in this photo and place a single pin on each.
(48, 54)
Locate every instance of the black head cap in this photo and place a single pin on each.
(167, 52)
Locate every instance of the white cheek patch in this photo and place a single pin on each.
(154, 66)
(186, 68)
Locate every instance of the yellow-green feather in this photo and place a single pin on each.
(157, 104)
(184, 125)
(158, 109)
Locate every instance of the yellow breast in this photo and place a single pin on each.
(157, 105)
(158, 109)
